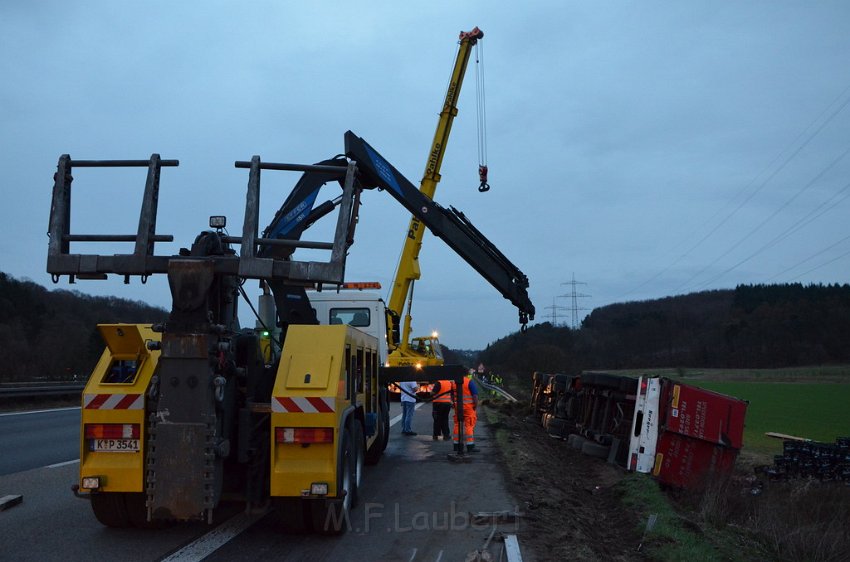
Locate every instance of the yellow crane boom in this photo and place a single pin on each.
(408, 268)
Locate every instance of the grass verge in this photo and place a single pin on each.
(676, 537)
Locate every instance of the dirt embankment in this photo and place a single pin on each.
(573, 510)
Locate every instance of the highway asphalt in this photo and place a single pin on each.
(415, 505)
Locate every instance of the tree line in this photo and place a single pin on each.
(752, 326)
(52, 335)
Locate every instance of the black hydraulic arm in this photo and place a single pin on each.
(449, 225)
(297, 213)
(299, 210)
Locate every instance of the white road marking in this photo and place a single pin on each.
(439, 556)
(412, 556)
(39, 411)
(397, 419)
(215, 539)
(66, 463)
(512, 549)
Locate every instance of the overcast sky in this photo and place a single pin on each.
(648, 149)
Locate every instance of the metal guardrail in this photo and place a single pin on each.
(496, 389)
(37, 390)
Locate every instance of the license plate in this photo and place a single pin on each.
(114, 445)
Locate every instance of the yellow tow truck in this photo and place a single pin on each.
(180, 416)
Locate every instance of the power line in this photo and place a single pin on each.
(770, 217)
(835, 259)
(748, 198)
(810, 258)
(810, 217)
(815, 213)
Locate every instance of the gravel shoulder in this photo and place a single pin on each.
(572, 507)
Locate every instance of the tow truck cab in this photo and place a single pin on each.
(357, 308)
(366, 311)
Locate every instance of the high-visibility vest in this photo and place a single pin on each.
(445, 394)
(467, 394)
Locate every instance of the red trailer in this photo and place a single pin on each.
(681, 432)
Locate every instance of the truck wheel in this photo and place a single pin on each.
(359, 450)
(137, 511)
(557, 427)
(291, 515)
(373, 453)
(604, 380)
(109, 508)
(386, 416)
(331, 517)
(629, 385)
(592, 449)
(576, 441)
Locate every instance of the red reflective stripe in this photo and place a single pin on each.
(126, 402)
(288, 404)
(98, 401)
(320, 405)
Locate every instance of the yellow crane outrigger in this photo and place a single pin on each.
(424, 351)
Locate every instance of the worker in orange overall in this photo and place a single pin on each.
(470, 406)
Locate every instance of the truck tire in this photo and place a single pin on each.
(109, 508)
(331, 516)
(540, 379)
(592, 449)
(373, 453)
(137, 511)
(629, 385)
(576, 441)
(359, 454)
(386, 401)
(563, 380)
(557, 428)
(604, 380)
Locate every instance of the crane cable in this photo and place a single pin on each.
(770, 177)
(481, 117)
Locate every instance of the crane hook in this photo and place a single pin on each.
(482, 175)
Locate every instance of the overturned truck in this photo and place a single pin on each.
(677, 432)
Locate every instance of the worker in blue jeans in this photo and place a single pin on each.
(408, 404)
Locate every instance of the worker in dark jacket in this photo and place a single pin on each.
(441, 401)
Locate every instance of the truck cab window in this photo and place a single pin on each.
(357, 317)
